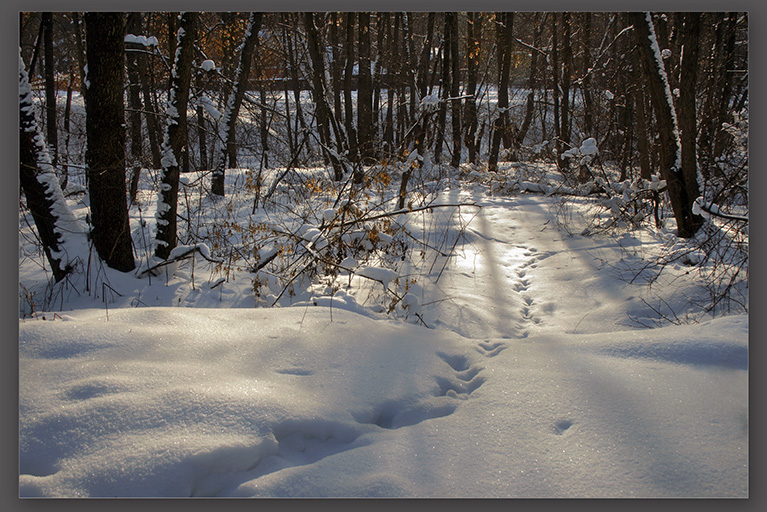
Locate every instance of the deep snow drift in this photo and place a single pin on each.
(286, 402)
(534, 378)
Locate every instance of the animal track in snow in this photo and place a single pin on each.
(457, 362)
(491, 349)
(394, 414)
(522, 284)
(295, 443)
(562, 426)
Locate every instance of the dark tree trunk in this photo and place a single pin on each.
(444, 93)
(391, 67)
(451, 22)
(567, 60)
(67, 131)
(38, 45)
(406, 72)
(556, 89)
(645, 169)
(505, 31)
(382, 20)
(365, 121)
(262, 119)
(50, 88)
(146, 78)
(351, 131)
(133, 26)
(722, 114)
(669, 144)
(335, 67)
(232, 112)
(175, 137)
(689, 36)
(422, 78)
(473, 37)
(80, 47)
(588, 103)
(530, 103)
(105, 154)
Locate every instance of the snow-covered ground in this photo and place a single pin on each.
(528, 372)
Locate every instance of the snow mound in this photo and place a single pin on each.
(307, 402)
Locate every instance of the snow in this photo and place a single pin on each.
(287, 402)
(208, 65)
(142, 40)
(430, 103)
(531, 362)
(383, 275)
(183, 250)
(210, 108)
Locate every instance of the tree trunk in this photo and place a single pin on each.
(365, 121)
(105, 154)
(80, 47)
(723, 111)
(351, 131)
(444, 94)
(473, 38)
(670, 145)
(588, 117)
(175, 137)
(67, 131)
(150, 108)
(530, 104)
(324, 115)
(689, 36)
(502, 121)
(451, 22)
(567, 60)
(53, 219)
(232, 112)
(422, 78)
(50, 88)
(556, 88)
(133, 26)
(292, 61)
(335, 67)
(391, 89)
(645, 169)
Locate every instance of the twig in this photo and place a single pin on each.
(180, 257)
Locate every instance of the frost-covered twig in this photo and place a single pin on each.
(181, 253)
(712, 209)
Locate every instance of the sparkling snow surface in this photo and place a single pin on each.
(530, 382)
